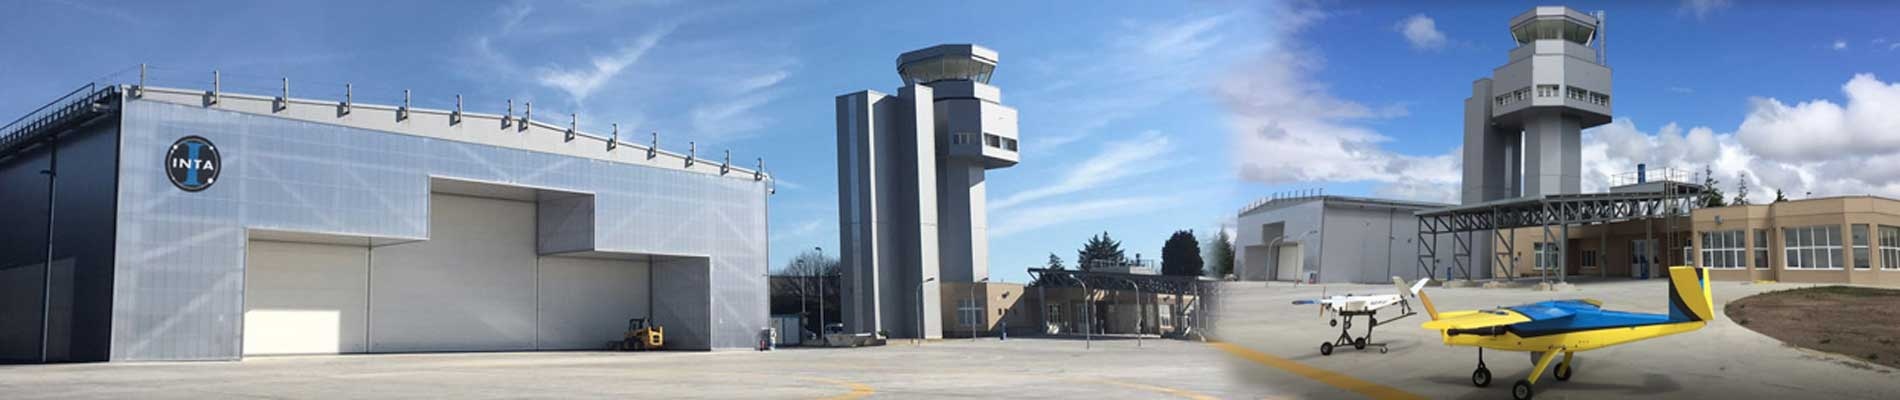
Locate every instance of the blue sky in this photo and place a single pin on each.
(1137, 118)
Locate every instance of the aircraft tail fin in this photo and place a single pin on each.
(1418, 290)
(1689, 295)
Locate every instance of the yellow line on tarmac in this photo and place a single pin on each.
(1160, 389)
(858, 390)
(1342, 381)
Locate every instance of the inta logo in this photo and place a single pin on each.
(193, 163)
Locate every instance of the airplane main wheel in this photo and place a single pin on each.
(1326, 349)
(1563, 371)
(1359, 344)
(1521, 391)
(1481, 377)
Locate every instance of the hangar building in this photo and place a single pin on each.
(149, 223)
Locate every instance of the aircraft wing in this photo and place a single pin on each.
(1475, 319)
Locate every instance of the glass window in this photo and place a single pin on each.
(992, 140)
(968, 313)
(1722, 249)
(1761, 248)
(1861, 250)
(1889, 247)
(1813, 246)
(1546, 255)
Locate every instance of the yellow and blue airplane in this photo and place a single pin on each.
(1546, 329)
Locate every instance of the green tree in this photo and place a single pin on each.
(1780, 197)
(1100, 250)
(1741, 189)
(1181, 255)
(1220, 254)
(1711, 194)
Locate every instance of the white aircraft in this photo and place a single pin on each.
(1348, 306)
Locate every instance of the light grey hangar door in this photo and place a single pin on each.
(305, 298)
(469, 287)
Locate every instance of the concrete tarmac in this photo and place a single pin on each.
(987, 368)
(1721, 361)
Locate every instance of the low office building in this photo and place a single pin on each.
(1849, 239)
(1329, 239)
(987, 309)
(150, 223)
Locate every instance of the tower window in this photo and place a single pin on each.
(1546, 90)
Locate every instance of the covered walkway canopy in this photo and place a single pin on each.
(1667, 200)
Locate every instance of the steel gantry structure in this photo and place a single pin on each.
(1667, 200)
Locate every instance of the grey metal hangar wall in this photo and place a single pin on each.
(241, 233)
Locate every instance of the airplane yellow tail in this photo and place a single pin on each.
(1689, 295)
(1429, 309)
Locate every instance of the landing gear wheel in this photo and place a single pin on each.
(1481, 377)
(1521, 391)
(1382, 350)
(1325, 349)
(1563, 371)
(1332, 322)
(1359, 344)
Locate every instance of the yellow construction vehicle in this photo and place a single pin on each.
(643, 336)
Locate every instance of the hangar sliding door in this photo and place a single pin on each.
(304, 298)
(470, 287)
(477, 284)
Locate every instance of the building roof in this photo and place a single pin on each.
(1269, 204)
(514, 130)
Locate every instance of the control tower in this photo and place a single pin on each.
(911, 197)
(1523, 125)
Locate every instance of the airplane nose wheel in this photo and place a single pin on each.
(1325, 349)
(1563, 371)
(1481, 377)
(1522, 391)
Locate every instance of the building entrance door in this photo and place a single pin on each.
(1640, 258)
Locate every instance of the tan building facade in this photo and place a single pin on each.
(1849, 239)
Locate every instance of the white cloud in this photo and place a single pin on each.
(1032, 218)
(1117, 160)
(1422, 32)
(1840, 44)
(1814, 146)
(1287, 127)
(1702, 8)
(580, 82)
(1869, 124)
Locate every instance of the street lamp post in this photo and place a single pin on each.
(1088, 331)
(920, 309)
(820, 271)
(973, 305)
(802, 313)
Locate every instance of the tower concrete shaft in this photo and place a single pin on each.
(911, 187)
(1523, 125)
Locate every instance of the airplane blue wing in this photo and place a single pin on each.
(1544, 311)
